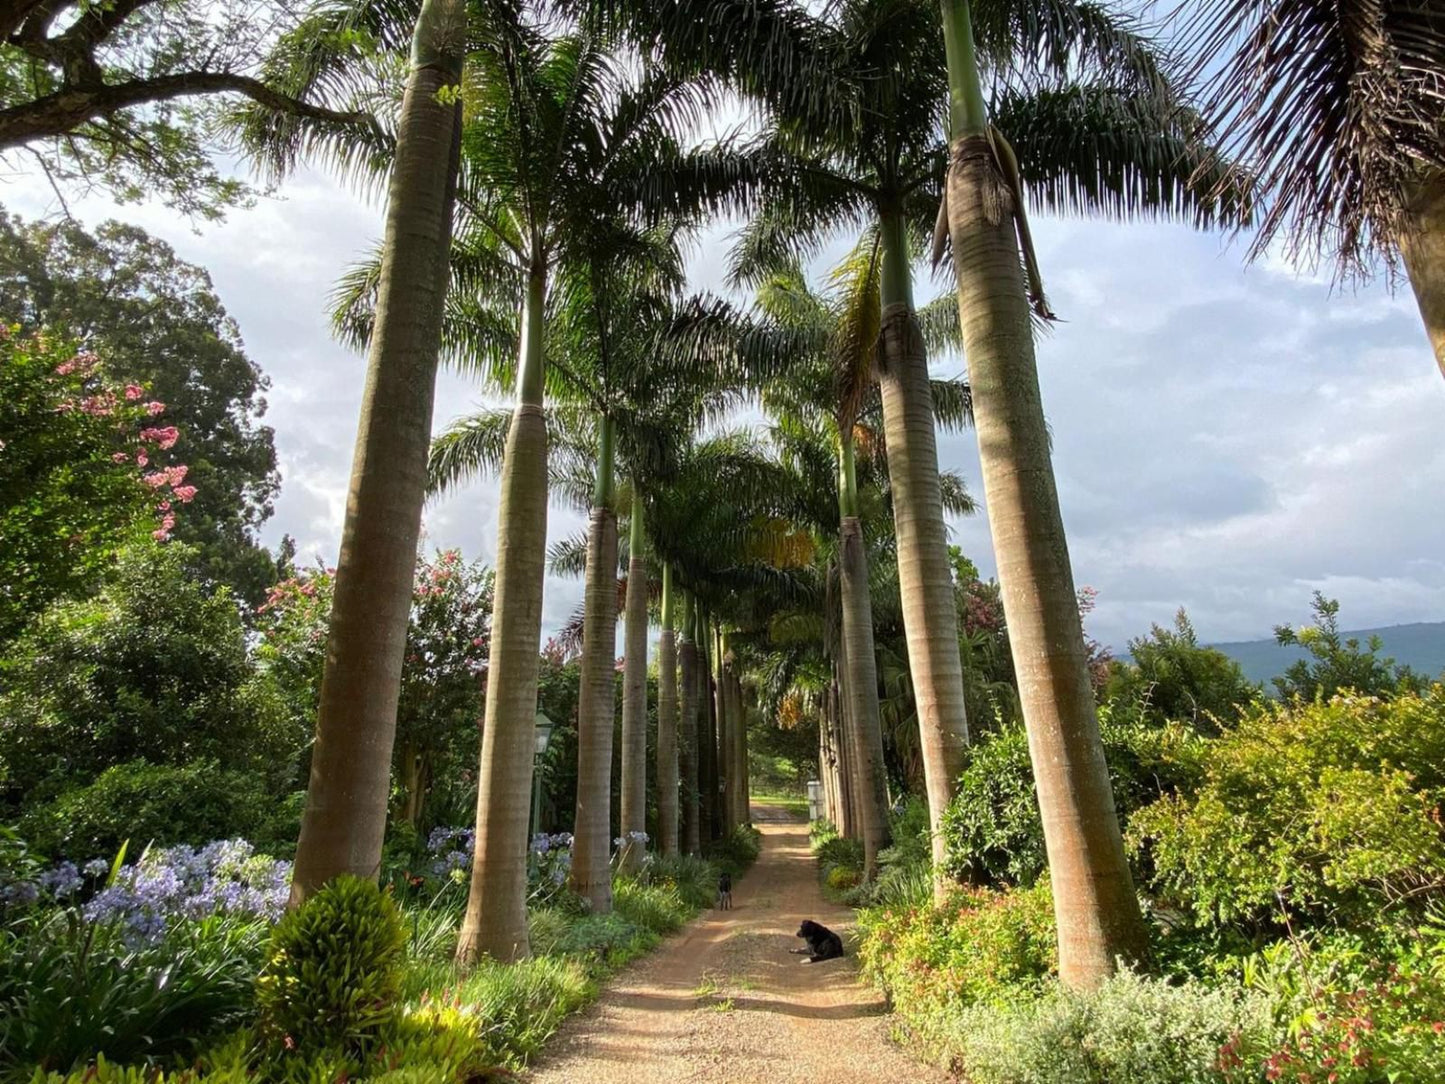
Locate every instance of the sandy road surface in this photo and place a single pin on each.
(723, 1000)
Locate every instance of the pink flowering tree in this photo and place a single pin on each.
(443, 678)
(76, 479)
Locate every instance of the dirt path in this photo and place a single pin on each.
(724, 1001)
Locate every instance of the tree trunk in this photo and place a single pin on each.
(496, 918)
(591, 874)
(728, 809)
(1423, 248)
(687, 733)
(707, 736)
(925, 578)
(863, 692)
(842, 736)
(667, 725)
(347, 796)
(634, 698)
(1095, 906)
(414, 783)
(744, 773)
(825, 759)
(738, 750)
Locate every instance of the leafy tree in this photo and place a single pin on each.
(1173, 679)
(442, 683)
(1337, 663)
(154, 668)
(76, 482)
(1336, 107)
(128, 94)
(157, 322)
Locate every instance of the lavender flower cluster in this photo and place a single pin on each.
(550, 860)
(226, 877)
(453, 850)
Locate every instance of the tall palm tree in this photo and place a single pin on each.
(346, 801)
(667, 735)
(1338, 108)
(832, 395)
(1097, 911)
(855, 96)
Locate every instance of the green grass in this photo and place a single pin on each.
(793, 803)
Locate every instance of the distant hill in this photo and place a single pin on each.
(1420, 647)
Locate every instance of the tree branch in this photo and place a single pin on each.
(61, 112)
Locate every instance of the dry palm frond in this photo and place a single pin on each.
(1336, 106)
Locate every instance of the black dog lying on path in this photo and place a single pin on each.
(823, 943)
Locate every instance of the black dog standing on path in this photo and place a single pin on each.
(725, 892)
(823, 943)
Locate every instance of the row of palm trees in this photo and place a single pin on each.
(544, 181)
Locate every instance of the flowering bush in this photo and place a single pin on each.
(549, 861)
(72, 483)
(443, 676)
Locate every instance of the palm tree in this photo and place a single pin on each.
(1338, 108)
(346, 801)
(667, 736)
(855, 97)
(1097, 911)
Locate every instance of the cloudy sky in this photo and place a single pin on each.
(1226, 439)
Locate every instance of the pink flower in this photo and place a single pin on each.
(166, 437)
(164, 506)
(155, 479)
(161, 533)
(478, 642)
(120, 457)
(98, 405)
(185, 494)
(153, 408)
(141, 459)
(133, 392)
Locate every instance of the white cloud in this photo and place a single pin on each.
(1225, 439)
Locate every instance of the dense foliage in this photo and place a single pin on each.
(76, 477)
(154, 670)
(1294, 863)
(157, 323)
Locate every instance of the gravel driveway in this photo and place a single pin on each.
(724, 1001)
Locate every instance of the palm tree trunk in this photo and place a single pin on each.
(634, 697)
(925, 579)
(745, 809)
(842, 733)
(591, 873)
(667, 725)
(347, 796)
(826, 764)
(1095, 906)
(724, 737)
(707, 734)
(496, 918)
(687, 730)
(1423, 248)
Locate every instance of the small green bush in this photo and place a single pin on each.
(71, 991)
(979, 947)
(659, 908)
(1131, 1030)
(150, 803)
(992, 826)
(738, 851)
(333, 972)
(1330, 810)
(694, 879)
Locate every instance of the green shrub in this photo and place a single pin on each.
(840, 860)
(738, 851)
(659, 908)
(992, 826)
(509, 1010)
(150, 803)
(1130, 1030)
(1328, 810)
(980, 946)
(694, 879)
(333, 972)
(71, 991)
